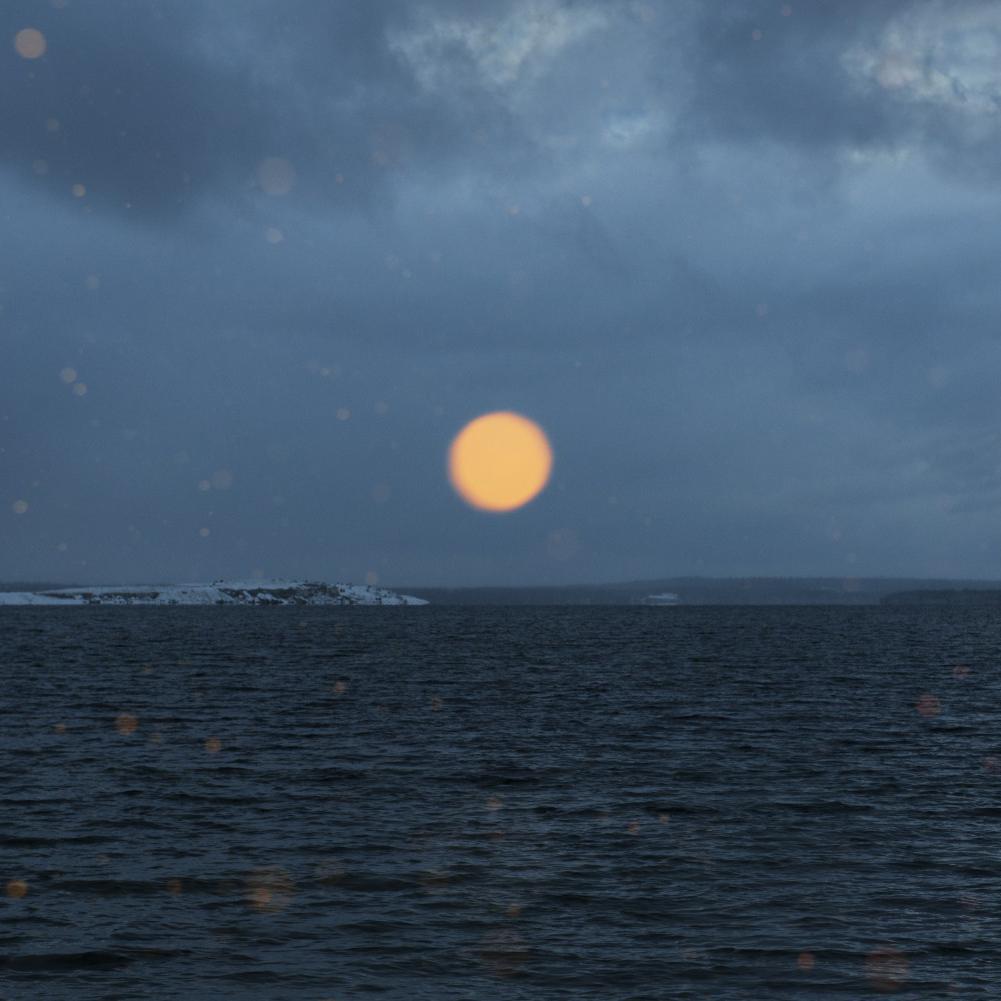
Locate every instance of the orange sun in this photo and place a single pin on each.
(499, 461)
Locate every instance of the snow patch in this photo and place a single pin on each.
(30, 598)
(272, 591)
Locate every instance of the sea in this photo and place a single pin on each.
(486, 803)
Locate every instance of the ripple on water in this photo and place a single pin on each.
(521, 803)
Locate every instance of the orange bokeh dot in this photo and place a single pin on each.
(126, 723)
(16, 889)
(500, 461)
(269, 889)
(30, 43)
(886, 969)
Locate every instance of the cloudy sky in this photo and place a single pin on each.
(264, 258)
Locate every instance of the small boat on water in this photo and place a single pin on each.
(664, 598)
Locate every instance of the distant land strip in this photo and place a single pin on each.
(707, 591)
(953, 596)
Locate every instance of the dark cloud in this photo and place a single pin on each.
(826, 77)
(744, 281)
(123, 104)
(151, 105)
(768, 71)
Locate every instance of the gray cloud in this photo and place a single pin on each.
(745, 283)
(151, 105)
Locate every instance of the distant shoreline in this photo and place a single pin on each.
(706, 591)
(255, 593)
(730, 591)
(956, 596)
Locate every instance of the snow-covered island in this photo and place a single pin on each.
(219, 592)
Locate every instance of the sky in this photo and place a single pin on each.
(264, 259)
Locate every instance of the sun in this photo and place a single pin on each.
(500, 461)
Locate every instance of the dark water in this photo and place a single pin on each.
(482, 803)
